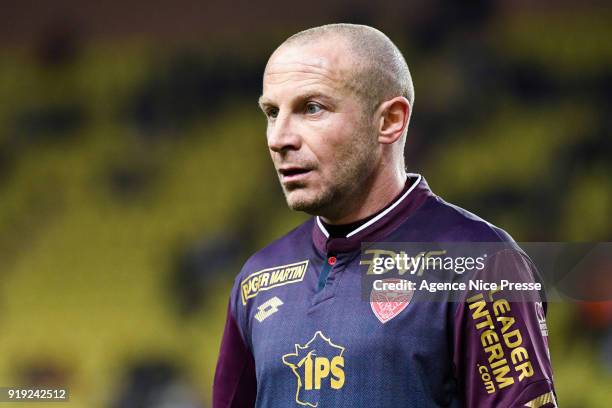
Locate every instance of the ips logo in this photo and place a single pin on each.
(318, 364)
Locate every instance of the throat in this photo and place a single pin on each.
(342, 230)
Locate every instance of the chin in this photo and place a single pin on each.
(300, 200)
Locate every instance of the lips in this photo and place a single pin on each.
(293, 173)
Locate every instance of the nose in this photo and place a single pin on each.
(282, 134)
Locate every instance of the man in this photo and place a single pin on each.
(338, 100)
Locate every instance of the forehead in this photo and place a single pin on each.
(323, 67)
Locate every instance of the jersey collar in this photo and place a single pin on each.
(378, 227)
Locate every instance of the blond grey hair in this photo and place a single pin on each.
(381, 71)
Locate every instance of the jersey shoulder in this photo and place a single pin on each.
(288, 251)
(440, 221)
(283, 250)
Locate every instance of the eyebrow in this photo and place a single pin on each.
(265, 102)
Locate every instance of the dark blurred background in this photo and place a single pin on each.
(135, 180)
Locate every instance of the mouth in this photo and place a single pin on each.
(291, 173)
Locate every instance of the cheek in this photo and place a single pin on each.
(329, 139)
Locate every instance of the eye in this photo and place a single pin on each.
(313, 108)
(271, 113)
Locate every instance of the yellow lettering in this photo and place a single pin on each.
(276, 275)
(321, 370)
(337, 380)
(488, 337)
(496, 352)
(255, 283)
(486, 379)
(526, 370)
(307, 363)
(500, 378)
(486, 323)
(481, 313)
(506, 322)
(501, 306)
(518, 355)
(499, 363)
(516, 335)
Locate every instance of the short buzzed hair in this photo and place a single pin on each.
(381, 70)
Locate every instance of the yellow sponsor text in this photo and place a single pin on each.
(272, 277)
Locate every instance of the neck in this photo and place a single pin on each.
(373, 196)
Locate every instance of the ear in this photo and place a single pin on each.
(394, 115)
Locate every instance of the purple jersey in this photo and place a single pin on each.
(300, 334)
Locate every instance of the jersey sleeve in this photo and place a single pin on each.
(235, 384)
(501, 356)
